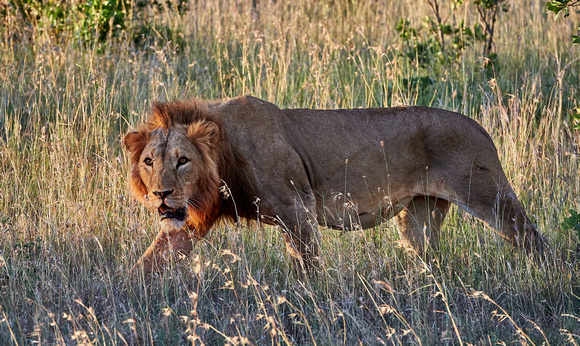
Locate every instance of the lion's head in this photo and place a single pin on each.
(174, 167)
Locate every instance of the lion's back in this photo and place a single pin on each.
(326, 143)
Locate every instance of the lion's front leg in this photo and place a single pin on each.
(171, 242)
(302, 246)
(301, 235)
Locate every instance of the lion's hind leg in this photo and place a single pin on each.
(419, 224)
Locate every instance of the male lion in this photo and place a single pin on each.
(298, 168)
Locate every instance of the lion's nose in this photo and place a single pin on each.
(163, 194)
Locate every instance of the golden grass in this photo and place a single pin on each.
(69, 231)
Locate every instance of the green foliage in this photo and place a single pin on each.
(92, 21)
(491, 4)
(87, 20)
(29, 249)
(446, 41)
(101, 18)
(572, 222)
(406, 32)
(487, 10)
(423, 48)
(557, 6)
(181, 6)
(576, 118)
(575, 38)
(51, 15)
(425, 45)
(563, 6)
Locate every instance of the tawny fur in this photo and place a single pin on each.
(345, 169)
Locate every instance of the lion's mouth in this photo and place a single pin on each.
(165, 212)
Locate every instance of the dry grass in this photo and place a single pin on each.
(69, 232)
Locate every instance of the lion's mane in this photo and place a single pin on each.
(236, 197)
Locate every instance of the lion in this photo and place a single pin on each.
(297, 169)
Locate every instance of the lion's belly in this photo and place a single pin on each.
(335, 210)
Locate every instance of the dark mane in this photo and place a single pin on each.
(166, 115)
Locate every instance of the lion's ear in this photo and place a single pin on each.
(135, 142)
(204, 133)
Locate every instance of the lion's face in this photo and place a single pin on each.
(173, 171)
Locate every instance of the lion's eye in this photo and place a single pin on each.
(148, 161)
(182, 161)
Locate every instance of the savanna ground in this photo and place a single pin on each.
(75, 78)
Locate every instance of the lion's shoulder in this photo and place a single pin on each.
(246, 105)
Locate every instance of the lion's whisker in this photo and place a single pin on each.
(194, 204)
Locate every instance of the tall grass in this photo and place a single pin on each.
(69, 231)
